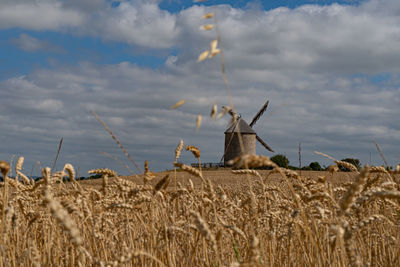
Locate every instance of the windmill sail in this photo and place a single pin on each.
(259, 114)
(263, 143)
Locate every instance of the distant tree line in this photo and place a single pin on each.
(283, 161)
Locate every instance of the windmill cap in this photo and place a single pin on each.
(240, 126)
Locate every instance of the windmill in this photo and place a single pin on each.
(238, 127)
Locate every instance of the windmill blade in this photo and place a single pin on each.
(227, 109)
(263, 143)
(259, 114)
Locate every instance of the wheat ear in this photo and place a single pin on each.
(351, 194)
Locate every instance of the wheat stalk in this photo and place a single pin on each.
(189, 169)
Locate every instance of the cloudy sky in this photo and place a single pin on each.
(329, 68)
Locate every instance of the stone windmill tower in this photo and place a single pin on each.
(239, 127)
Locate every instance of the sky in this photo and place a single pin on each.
(330, 69)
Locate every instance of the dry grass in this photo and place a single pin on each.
(213, 218)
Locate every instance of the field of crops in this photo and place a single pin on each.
(209, 218)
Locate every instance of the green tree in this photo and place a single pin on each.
(280, 160)
(355, 162)
(315, 166)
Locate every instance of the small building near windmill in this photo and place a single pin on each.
(233, 147)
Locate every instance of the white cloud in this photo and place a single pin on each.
(38, 15)
(135, 103)
(86, 5)
(333, 37)
(142, 24)
(48, 105)
(32, 44)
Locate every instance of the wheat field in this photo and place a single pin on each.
(194, 217)
(190, 217)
